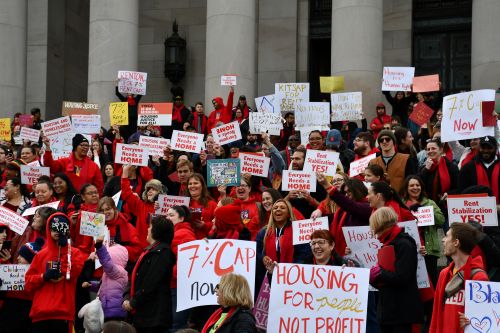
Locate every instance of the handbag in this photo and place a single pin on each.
(457, 282)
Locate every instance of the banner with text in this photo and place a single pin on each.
(154, 145)
(130, 82)
(425, 216)
(187, 141)
(358, 167)
(397, 78)
(71, 108)
(480, 209)
(30, 134)
(482, 299)
(15, 222)
(131, 154)
(256, 165)
(159, 114)
(265, 104)
(302, 229)
(298, 181)
(321, 161)
(165, 202)
(347, 106)
(86, 123)
(31, 173)
(56, 127)
(363, 243)
(12, 277)
(287, 95)
(227, 133)
(228, 80)
(269, 123)
(312, 114)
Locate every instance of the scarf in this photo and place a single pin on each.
(131, 100)
(280, 247)
(389, 235)
(215, 317)
(339, 220)
(177, 114)
(448, 153)
(441, 179)
(136, 267)
(483, 179)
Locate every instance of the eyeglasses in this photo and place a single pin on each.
(84, 145)
(385, 139)
(338, 180)
(92, 193)
(319, 242)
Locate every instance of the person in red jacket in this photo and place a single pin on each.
(378, 122)
(447, 314)
(52, 277)
(222, 113)
(202, 205)
(78, 166)
(199, 119)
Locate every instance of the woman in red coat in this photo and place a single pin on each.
(201, 204)
(90, 197)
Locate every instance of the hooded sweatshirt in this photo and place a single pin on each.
(224, 113)
(183, 233)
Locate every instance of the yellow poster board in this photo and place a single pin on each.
(5, 133)
(118, 113)
(329, 84)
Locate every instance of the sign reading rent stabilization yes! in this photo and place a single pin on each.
(479, 209)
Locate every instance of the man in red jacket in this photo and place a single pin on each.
(378, 122)
(222, 113)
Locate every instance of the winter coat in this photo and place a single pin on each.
(183, 233)
(206, 214)
(238, 319)
(428, 177)
(124, 233)
(223, 114)
(377, 124)
(431, 237)
(468, 176)
(397, 169)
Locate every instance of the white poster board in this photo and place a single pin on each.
(32, 210)
(187, 141)
(154, 145)
(265, 104)
(15, 222)
(255, 165)
(227, 133)
(56, 127)
(363, 243)
(12, 277)
(480, 209)
(302, 229)
(347, 106)
(287, 95)
(260, 122)
(228, 80)
(30, 134)
(92, 224)
(321, 161)
(294, 180)
(358, 166)
(131, 154)
(425, 216)
(86, 123)
(397, 78)
(130, 82)
(31, 173)
(165, 202)
(312, 114)
(482, 306)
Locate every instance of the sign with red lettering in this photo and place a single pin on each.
(130, 82)
(12, 277)
(397, 78)
(165, 202)
(15, 222)
(159, 114)
(321, 161)
(227, 133)
(154, 145)
(482, 300)
(131, 154)
(363, 243)
(255, 165)
(202, 263)
(228, 80)
(313, 298)
(421, 113)
(31, 173)
(303, 229)
(425, 216)
(480, 209)
(187, 141)
(298, 181)
(56, 127)
(358, 167)
(261, 307)
(30, 134)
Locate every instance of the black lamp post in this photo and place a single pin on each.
(175, 56)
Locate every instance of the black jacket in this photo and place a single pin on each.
(428, 179)
(468, 175)
(241, 321)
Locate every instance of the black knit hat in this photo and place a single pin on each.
(28, 250)
(78, 139)
(59, 222)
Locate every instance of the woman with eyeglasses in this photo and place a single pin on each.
(202, 205)
(90, 198)
(316, 141)
(323, 251)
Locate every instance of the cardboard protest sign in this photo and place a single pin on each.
(154, 145)
(227, 133)
(260, 122)
(86, 123)
(287, 95)
(421, 113)
(254, 164)
(166, 202)
(5, 129)
(31, 173)
(298, 180)
(265, 104)
(422, 276)
(321, 161)
(92, 224)
(159, 114)
(30, 134)
(302, 229)
(32, 210)
(462, 118)
(26, 120)
(71, 108)
(488, 114)
(131, 154)
(187, 141)
(473, 208)
(223, 172)
(118, 113)
(357, 167)
(12, 277)
(426, 83)
(201, 264)
(363, 243)
(312, 298)
(347, 106)
(329, 84)
(312, 114)
(481, 306)
(130, 82)
(425, 216)
(61, 145)
(228, 80)
(397, 78)
(261, 308)
(15, 222)
(56, 127)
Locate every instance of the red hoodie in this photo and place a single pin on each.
(128, 236)
(378, 122)
(224, 113)
(205, 214)
(183, 233)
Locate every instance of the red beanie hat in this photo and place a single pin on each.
(228, 221)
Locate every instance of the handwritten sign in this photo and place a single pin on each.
(298, 180)
(201, 264)
(31, 173)
(30, 134)
(187, 141)
(118, 113)
(260, 122)
(265, 104)
(311, 298)
(56, 127)
(159, 114)
(421, 113)
(312, 114)
(32, 210)
(425, 216)
(255, 165)
(302, 229)
(5, 130)
(347, 106)
(71, 108)
(26, 120)
(86, 123)
(321, 161)
(363, 243)
(358, 167)
(15, 222)
(482, 306)
(130, 82)
(92, 224)
(329, 84)
(287, 95)
(62, 145)
(397, 78)
(426, 83)
(228, 80)
(12, 277)
(480, 209)
(223, 172)
(261, 308)
(166, 202)
(131, 154)
(154, 145)
(227, 133)
(422, 276)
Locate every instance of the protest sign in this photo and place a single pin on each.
(294, 180)
(31, 173)
(159, 114)
(347, 106)
(329, 84)
(488, 114)
(482, 306)
(116, 198)
(86, 123)
(118, 113)
(228, 80)
(269, 123)
(165, 202)
(56, 127)
(422, 276)
(421, 113)
(302, 229)
(187, 141)
(131, 154)
(397, 78)
(30, 134)
(287, 95)
(254, 164)
(363, 243)
(202, 263)
(265, 104)
(312, 298)
(92, 224)
(473, 208)
(426, 83)
(5, 130)
(62, 145)
(312, 114)
(130, 82)
(71, 108)
(31, 211)
(26, 120)
(358, 166)
(462, 118)
(15, 222)
(12, 277)
(425, 216)
(321, 161)
(223, 172)
(261, 308)
(227, 133)
(154, 145)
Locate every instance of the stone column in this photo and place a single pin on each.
(230, 48)
(12, 56)
(357, 28)
(113, 46)
(485, 55)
